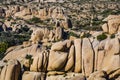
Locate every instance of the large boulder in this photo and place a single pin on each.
(87, 57)
(33, 76)
(40, 62)
(37, 35)
(71, 59)
(57, 60)
(19, 52)
(95, 44)
(112, 25)
(78, 55)
(58, 46)
(112, 48)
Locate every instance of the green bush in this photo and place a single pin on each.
(73, 34)
(3, 48)
(35, 20)
(101, 37)
(112, 36)
(29, 57)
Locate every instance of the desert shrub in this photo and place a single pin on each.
(86, 35)
(35, 20)
(29, 57)
(3, 48)
(73, 34)
(112, 36)
(13, 38)
(101, 37)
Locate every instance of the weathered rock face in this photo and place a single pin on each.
(78, 55)
(115, 74)
(71, 59)
(112, 25)
(59, 33)
(87, 57)
(40, 62)
(33, 76)
(56, 64)
(37, 36)
(19, 52)
(58, 46)
(99, 75)
(112, 54)
(11, 71)
(67, 76)
(67, 23)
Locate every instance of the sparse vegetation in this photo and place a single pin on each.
(29, 57)
(101, 37)
(3, 48)
(73, 34)
(86, 35)
(35, 20)
(112, 36)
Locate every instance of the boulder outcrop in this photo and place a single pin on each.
(112, 25)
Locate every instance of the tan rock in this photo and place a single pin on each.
(12, 68)
(115, 74)
(68, 43)
(71, 59)
(20, 52)
(40, 62)
(78, 55)
(67, 23)
(100, 58)
(112, 46)
(109, 61)
(33, 76)
(37, 36)
(99, 75)
(113, 22)
(59, 33)
(78, 78)
(57, 60)
(105, 27)
(55, 73)
(113, 25)
(95, 44)
(72, 38)
(58, 46)
(87, 57)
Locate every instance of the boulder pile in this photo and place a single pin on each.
(93, 59)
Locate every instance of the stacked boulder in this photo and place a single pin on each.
(94, 59)
(44, 34)
(113, 24)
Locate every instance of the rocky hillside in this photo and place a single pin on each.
(59, 40)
